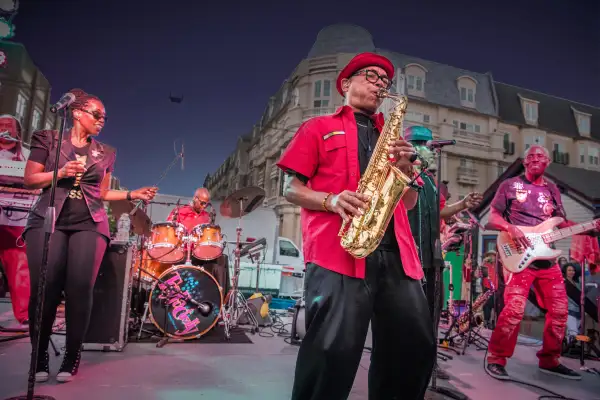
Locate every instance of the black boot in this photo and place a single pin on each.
(42, 372)
(69, 366)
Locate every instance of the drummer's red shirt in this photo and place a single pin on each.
(325, 150)
(188, 217)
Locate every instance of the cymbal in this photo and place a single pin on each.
(252, 198)
(142, 224)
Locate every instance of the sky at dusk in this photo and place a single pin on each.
(227, 58)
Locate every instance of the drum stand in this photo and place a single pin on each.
(236, 305)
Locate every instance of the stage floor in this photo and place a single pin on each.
(262, 370)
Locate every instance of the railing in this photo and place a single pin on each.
(467, 171)
(472, 138)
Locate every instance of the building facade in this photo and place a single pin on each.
(24, 90)
(452, 102)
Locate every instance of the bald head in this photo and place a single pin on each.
(201, 199)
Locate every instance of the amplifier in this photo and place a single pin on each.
(109, 323)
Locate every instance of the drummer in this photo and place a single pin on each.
(195, 213)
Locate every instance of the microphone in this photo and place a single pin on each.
(182, 156)
(438, 144)
(65, 101)
(6, 136)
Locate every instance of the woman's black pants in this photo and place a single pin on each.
(338, 311)
(74, 258)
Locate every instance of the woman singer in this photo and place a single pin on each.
(81, 233)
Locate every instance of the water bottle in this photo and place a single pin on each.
(123, 227)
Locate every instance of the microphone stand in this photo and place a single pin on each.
(49, 221)
(451, 393)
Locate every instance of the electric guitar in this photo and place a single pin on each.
(516, 259)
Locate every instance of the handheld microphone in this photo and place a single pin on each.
(437, 144)
(6, 136)
(65, 101)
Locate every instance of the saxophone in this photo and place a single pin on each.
(383, 183)
(463, 319)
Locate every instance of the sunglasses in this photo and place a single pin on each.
(96, 114)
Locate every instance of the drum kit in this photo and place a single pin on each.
(184, 300)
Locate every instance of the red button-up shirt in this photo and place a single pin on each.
(325, 149)
(189, 218)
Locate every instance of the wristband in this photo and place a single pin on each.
(324, 203)
(129, 196)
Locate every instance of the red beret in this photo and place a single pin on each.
(361, 61)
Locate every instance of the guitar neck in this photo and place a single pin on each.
(570, 231)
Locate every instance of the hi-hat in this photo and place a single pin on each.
(141, 222)
(252, 198)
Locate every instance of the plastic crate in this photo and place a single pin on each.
(281, 304)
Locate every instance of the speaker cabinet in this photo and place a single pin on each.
(109, 323)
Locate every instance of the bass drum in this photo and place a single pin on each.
(166, 242)
(186, 302)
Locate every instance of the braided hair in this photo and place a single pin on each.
(81, 99)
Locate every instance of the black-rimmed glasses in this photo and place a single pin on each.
(373, 77)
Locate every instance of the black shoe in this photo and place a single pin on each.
(562, 371)
(497, 371)
(69, 366)
(42, 372)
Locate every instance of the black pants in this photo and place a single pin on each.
(338, 311)
(74, 258)
(430, 291)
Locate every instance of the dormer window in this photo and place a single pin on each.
(415, 79)
(530, 110)
(583, 121)
(467, 88)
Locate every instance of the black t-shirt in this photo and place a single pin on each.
(74, 214)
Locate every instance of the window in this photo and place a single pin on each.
(21, 107)
(36, 119)
(583, 122)
(531, 140)
(463, 126)
(286, 248)
(48, 126)
(322, 93)
(531, 112)
(593, 153)
(414, 83)
(417, 117)
(467, 95)
(559, 147)
(581, 154)
(501, 170)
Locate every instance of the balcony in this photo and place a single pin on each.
(472, 139)
(315, 112)
(467, 176)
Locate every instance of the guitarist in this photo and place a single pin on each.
(528, 200)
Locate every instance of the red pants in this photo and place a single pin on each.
(550, 288)
(14, 262)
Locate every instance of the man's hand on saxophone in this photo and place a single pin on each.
(403, 153)
(347, 204)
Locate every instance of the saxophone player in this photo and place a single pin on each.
(323, 164)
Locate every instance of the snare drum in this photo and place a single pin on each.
(166, 242)
(208, 242)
